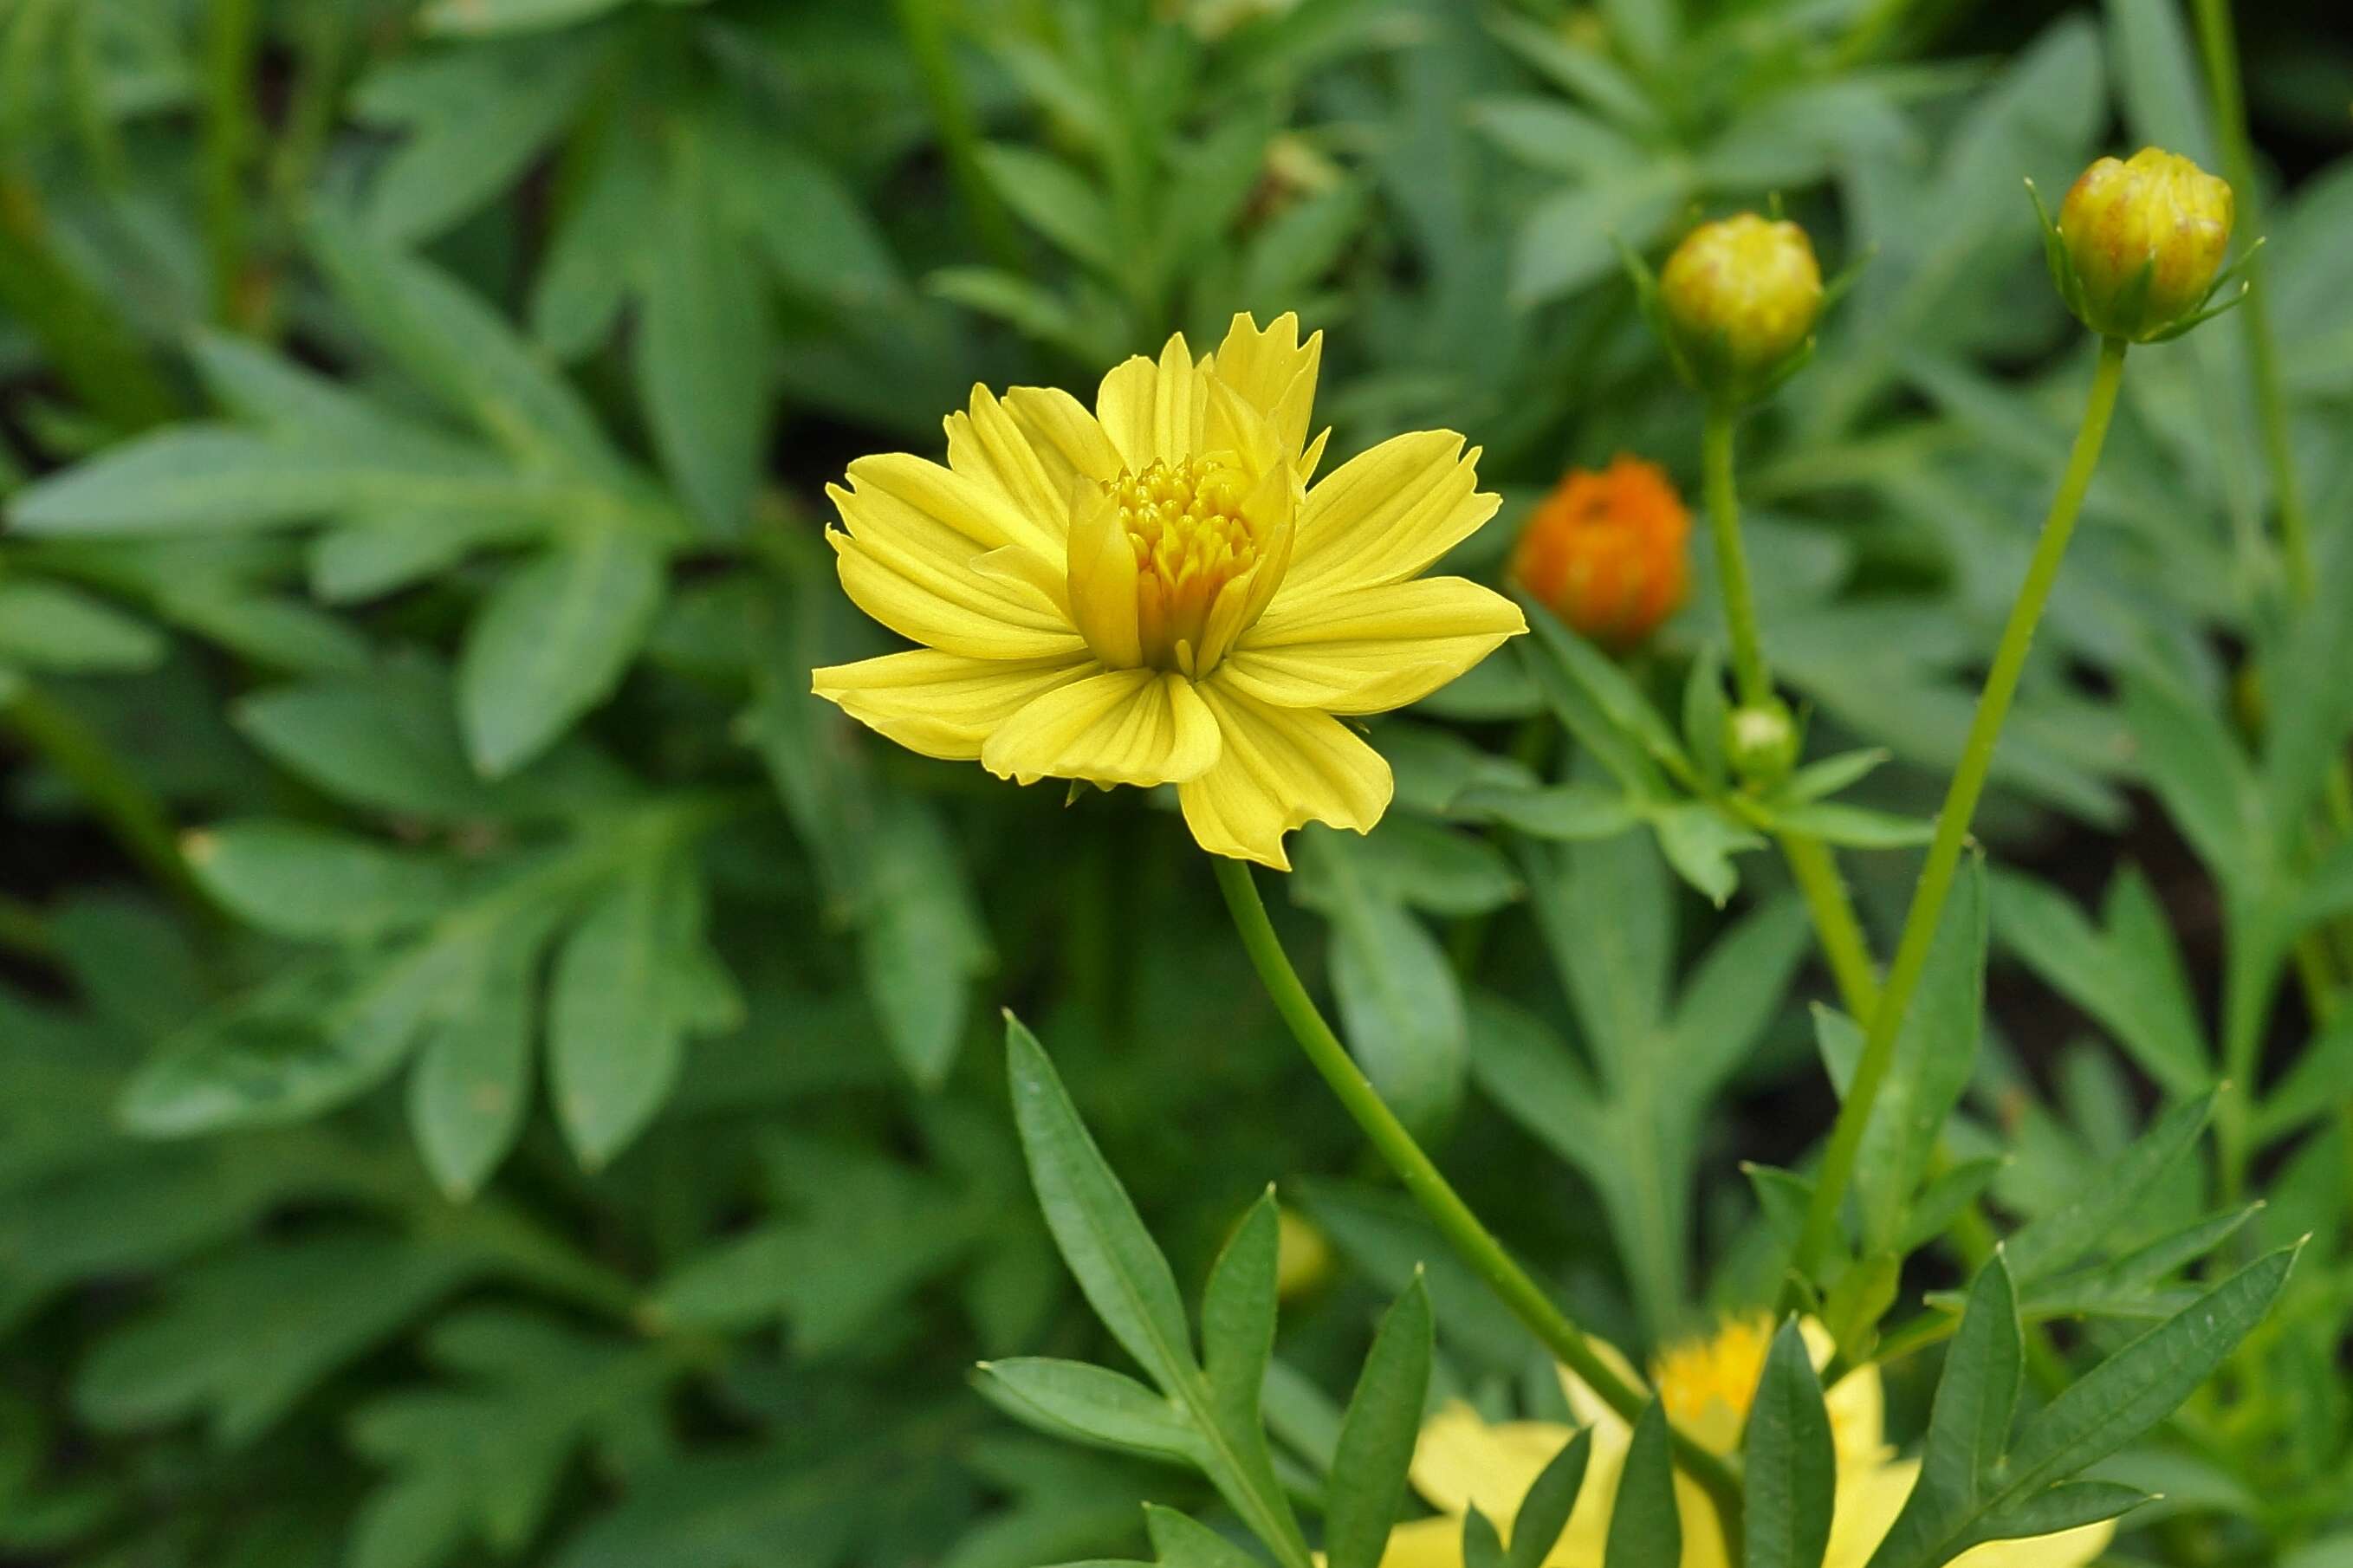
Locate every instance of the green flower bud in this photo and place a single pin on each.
(1760, 742)
(1740, 297)
(2143, 240)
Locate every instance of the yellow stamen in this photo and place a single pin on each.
(1708, 1385)
(1185, 521)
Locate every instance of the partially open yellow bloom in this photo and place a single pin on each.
(1462, 1461)
(1741, 297)
(1152, 594)
(2147, 236)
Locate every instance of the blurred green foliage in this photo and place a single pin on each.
(495, 1071)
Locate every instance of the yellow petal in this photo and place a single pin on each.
(1069, 441)
(1370, 649)
(988, 448)
(940, 704)
(952, 514)
(1425, 1543)
(954, 608)
(1275, 373)
(1857, 1404)
(1590, 1408)
(1122, 726)
(1154, 410)
(1279, 768)
(1101, 575)
(2068, 1549)
(1462, 1461)
(1868, 1502)
(1387, 514)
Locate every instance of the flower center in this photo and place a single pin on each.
(1707, 1385)
(1184, 520)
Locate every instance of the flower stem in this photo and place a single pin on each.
(1472, 1240)
(2220, 45)
(1844, 946)
(1748, 668)
(1943, 859)
(1811, 865)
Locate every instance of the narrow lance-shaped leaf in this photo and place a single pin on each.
(1377, 1439)
(1121, 1272)
(1552, 1497)
(1238, 1313)
(1792, 1464)
(1644, 1527)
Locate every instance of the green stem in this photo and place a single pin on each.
(137, 819)
(230, 139)
(2220, 45)
(1844, 946)
(1812, 864)
(922, 24)
(1472, 1240)
(1968, 782)
(1748, 667)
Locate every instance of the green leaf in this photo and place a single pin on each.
(1238, 1313)
(616, 1035)
(1052, 199)
(1968, 1424)
(554, 641)
(1073, 1399)
(703, 351)
(1400, 1006)
(1368, 1471)
(921, 941)
(2195, 765)
(471, 1087)
(1119, 1268)
(1852, 827)
(2144, 1382)
(1699, 841)
(1737, 990)
(1180, 1542)
(317, 884)
(480, 18)
(1644, 1528)
(2130, 978)
(1482, 1548)
(1551, 1498)
(1791, 1463)
(2054, 1240)
(1935, 1052)
(460, 351)
(1565, 812)
(2068, 1505)
(48, 625)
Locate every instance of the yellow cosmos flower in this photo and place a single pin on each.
(1462, 1461)
(1152, 594)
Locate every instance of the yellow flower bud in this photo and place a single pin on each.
(2145, 237)
(1740, 297)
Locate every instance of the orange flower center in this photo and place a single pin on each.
(1184, 520)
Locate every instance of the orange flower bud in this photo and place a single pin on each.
(1609, 553)
(2146, 239)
